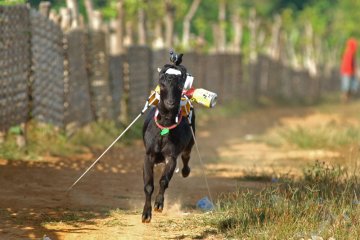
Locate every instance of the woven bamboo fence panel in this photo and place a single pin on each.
(159, 59)
(98, 69)
(194, 66)
(231, 76)
(47, 78)
(139, 59)
(14, 65)
(214, 75)
(116, 83)
(77, 92)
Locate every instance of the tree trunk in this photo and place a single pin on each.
(274, 48)
(90, 12)
(53, 16)
(310, 63)
(97, 20)
(253, 25)
(158, 41)
(129, 34)
(169, 23)
(119, 29)
(216, 37)
(222, 26)
(65, 19)
(288, 56)
(142, 35)
(73, 6)
(238, 32)
(187, 20)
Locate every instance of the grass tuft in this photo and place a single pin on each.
(324, 203)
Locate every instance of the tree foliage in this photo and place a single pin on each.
(333, 21)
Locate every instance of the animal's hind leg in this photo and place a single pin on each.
(185, 156)
(148, 176)
(164, 183)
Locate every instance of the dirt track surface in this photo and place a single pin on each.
(34, 201)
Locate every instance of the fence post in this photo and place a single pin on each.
(44, 9)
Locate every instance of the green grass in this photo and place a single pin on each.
(69, 217)
(45, 139)
(42, 139)
(327, 136)
(324, 203)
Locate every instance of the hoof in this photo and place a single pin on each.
(158, 207)
(159, 203)
(146, 216)
(185, 171)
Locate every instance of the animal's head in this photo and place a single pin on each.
(171, 81)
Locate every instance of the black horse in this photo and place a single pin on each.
(166, 135)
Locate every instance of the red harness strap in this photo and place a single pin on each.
(170, 127)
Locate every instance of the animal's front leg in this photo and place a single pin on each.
(170, 164)
(148, 175)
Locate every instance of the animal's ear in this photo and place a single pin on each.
(159, 70)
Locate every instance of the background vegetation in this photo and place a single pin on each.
(333, 20)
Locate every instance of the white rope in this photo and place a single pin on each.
(147, 104)
(198, 152)
(202, 164)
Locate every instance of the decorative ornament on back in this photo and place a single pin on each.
(190, 94)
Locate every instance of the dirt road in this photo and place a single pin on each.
(107, 203)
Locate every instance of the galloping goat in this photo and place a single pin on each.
(166, 135)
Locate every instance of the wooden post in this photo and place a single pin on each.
(44, 9)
